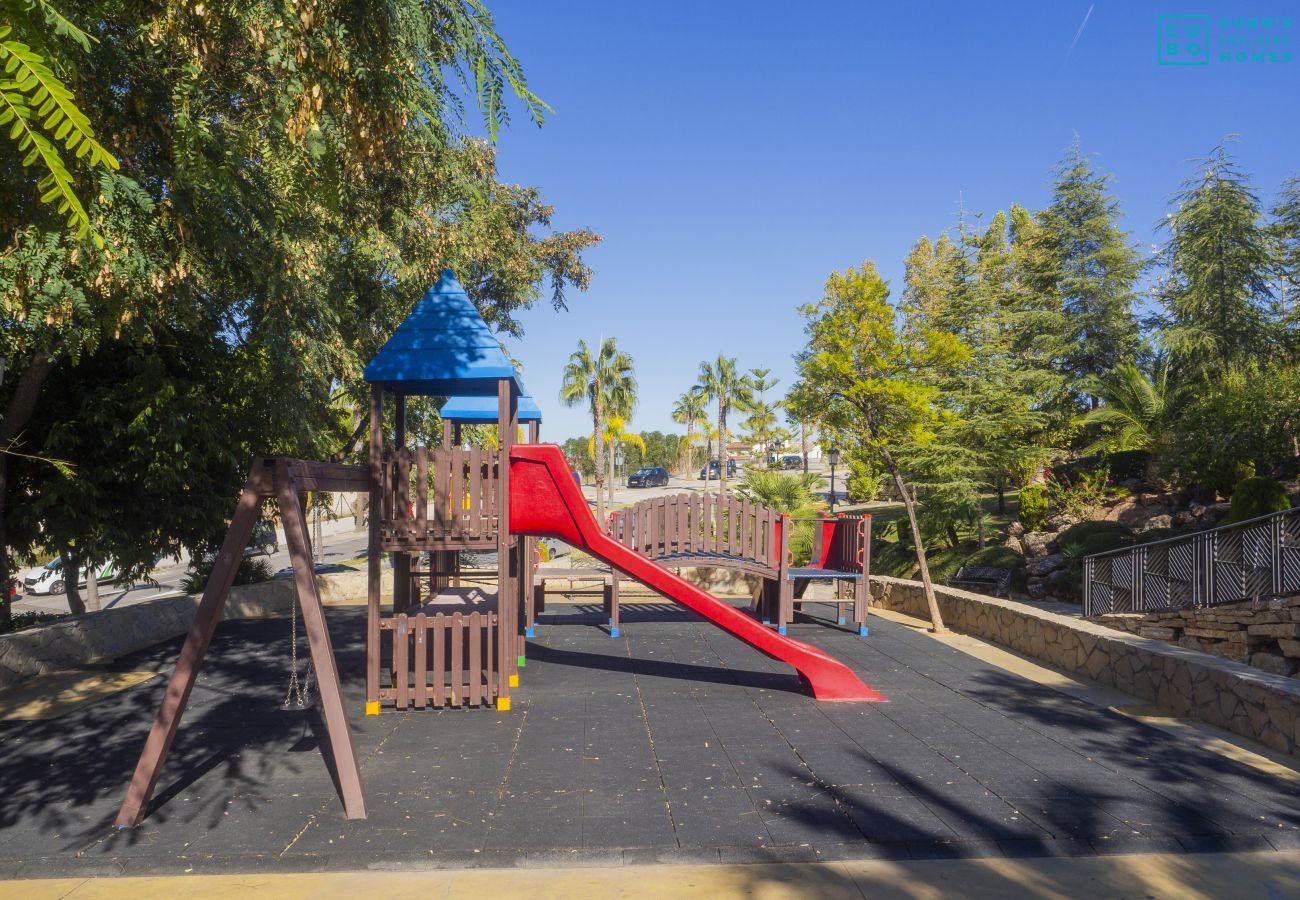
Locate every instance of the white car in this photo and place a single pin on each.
(48, 579)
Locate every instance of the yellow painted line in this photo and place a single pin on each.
(1178, 877)
(1198, 734)
(58, 693)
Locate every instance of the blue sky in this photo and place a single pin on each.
(733, 154)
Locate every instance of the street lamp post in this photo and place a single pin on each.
(618, 464)
(773, 446)
(833, 456)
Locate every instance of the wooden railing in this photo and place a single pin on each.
(694, 524)
(442, 660)
(440, 498)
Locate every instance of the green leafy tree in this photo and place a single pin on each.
(1286, 234)
(291, 178)
(1092, 267)
(783, 491)
(878, 381)
(802, 407)
(1216, 294)
(605, 383)
(723, 382)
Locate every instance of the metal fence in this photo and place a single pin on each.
(1247, 560)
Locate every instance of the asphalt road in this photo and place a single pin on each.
(335, 547)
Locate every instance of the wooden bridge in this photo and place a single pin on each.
(690, 530)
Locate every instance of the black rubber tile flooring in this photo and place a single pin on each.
(672, 742)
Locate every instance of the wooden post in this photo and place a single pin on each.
(507, 659)
(446, 434)
(401, 561)
(322, 651)
(534, 429)
(373, 561)
(177, 696)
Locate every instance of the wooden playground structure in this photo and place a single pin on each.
(440, 642)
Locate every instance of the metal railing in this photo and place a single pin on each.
(1246, 560)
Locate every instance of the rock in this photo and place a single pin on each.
(1038, 543)
(1156, 632)
(1119, 509)
(1044, 565)
(1272, 663)
(1183, 519)
(1161, 521)
(1289, 630)
(1196, 509)
(1132, 485)
(1057, 582)
(1015, 530)
(1036, 589)
(1061, 521)
(1216, 512)
(1289, 648)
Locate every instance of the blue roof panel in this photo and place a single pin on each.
(484, 409)
(443, 347)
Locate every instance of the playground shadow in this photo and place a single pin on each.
(665, 669)
(65, 777)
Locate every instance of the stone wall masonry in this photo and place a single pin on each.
(1184, 682)
(101, 636)
(1263, 634)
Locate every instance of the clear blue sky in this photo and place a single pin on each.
(733, 154)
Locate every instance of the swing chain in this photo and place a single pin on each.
(298, 695)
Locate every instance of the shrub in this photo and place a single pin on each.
(1033, 507)
(250, 571)
(863, 483)
(1256, 497)
(999, 556)
(903, 528)
(1100, 534)
(1080, 493)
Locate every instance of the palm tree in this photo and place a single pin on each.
(616, 434)
(1137, 411)
(606, 383)
(688, 410)
(721, 381)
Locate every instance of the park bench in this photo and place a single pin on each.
(983, 578)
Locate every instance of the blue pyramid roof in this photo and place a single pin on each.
(484, 409)
(443, 348)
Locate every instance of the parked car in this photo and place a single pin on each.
(49, 578)
(713, 469)
(792, 461)
(263, 540)
(655, 475)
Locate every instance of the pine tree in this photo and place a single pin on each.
(1216, 294)
(1286, 235)
(1091, 265)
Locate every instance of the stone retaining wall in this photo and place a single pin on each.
(1187, 683)
(1265, 635)
(99, 636)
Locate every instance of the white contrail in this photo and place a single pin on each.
(1078, 34)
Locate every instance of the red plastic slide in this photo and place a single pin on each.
(545, 501)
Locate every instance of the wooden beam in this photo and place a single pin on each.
(322, 651)
(373, 562)
(177, 695)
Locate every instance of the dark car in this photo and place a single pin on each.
(648, 477)
(713, 469)
(791, 461)
(263, 540)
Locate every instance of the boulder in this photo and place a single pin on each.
(1044, 565)
(1161, 521)
(1057, 583)
(1116, 512)
(1216, 512)
(1038, 543)
(1015, 529)
(1061, 521)
(1132, 485)
(1183, 519)
(1133, 515)
(1036, 589)
(1196, 509)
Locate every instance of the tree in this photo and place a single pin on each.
(1138, 411)
(606, 384)
(288, 195)
(784, 492)
(802, 407)
(723, 382)
(1217, 299)
(1091, 266)
(1286, 235)
(688, 410)
(878, 381)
